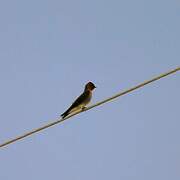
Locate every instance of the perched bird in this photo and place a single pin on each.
(82, 100)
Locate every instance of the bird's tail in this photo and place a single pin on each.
(65, 114)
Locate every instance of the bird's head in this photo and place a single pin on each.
(90, 86)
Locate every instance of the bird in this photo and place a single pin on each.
(81, 101)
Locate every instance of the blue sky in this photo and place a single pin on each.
(50, 49)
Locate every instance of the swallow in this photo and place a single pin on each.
(81, 101)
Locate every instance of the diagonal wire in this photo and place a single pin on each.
(90, 107)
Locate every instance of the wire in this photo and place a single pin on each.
(90, 107)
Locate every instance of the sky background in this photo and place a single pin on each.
(49, 49)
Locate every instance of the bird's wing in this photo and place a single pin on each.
(81, 99)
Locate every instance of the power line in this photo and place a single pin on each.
(90, 107)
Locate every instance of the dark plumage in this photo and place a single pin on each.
(82, 100)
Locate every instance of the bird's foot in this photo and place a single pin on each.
(83, 108)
